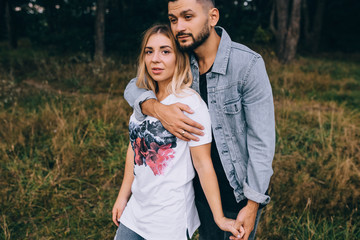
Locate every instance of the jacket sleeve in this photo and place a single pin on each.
(136, 96)
(259, 115)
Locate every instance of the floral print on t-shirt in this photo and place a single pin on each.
(152, 144)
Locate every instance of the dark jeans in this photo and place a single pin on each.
(208, 229)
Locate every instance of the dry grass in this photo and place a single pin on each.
(54, 161)
(63, 137)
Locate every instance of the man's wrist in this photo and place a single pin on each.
(147, 107)
(155, 109)
(252, 204)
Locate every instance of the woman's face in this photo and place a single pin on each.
(160, 58)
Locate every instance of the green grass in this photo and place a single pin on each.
(63, 139)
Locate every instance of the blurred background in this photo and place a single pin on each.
(64, 65)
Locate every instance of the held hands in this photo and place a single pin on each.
(228, 225)
(118, 209)
(175, 121)
(246, 219)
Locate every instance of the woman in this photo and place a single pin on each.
(159, 169)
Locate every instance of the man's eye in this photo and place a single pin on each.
(172, 20)
(188, 17)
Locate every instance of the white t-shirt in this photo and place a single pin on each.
(162, 204)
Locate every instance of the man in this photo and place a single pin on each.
(232, 80)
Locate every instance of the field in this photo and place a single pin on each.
(63, 138)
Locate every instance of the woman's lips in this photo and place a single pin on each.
(157, 70)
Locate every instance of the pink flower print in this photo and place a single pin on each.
(140, 150)
(158, 157)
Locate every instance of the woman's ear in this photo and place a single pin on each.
(214, 16)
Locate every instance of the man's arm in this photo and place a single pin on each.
(171, 116)
(260, 121)
(136, 96)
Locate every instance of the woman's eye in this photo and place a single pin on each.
(188, 17)
(148, 52)
(166, 52)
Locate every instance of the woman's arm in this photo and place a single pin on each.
(125, 190)
(203, 165)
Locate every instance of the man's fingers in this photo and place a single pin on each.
(184, 134)
(234, 238)
(192, 130)
(238, 225)
(242, 231)
(189, 136)
(178, 135)
(247, 235)
(193, 125)
(235, 232)
(189, 121)
(185, 108)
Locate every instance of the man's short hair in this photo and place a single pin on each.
(205, 3)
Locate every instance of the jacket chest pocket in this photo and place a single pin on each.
(232, 106)
(234, 115)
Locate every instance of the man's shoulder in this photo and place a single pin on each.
(241, 49)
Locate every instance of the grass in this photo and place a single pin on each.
(63, 138)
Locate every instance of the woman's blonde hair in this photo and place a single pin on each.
(182, 78)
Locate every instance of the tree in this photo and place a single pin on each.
(50, 15)
(100, 30)
(313, 21)
(287, 29)
(9, 22)
(2, 18)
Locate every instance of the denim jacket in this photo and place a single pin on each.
(241, 108)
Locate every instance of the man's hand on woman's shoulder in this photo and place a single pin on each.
(173, 119)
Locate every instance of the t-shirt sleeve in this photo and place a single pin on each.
(202, 116)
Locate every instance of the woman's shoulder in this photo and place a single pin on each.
(189, 97)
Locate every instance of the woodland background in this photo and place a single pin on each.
(64, 65)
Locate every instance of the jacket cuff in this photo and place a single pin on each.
(255, 196)
(137, 105)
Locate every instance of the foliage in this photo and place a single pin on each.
(262, 35)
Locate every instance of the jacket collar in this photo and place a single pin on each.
(222, 55)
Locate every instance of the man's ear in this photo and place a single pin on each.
(214, 16)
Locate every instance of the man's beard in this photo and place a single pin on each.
(203, 36)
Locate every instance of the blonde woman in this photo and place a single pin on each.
(156, 198)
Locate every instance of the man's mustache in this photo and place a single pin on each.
(183, 34)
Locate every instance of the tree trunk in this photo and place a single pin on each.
(50, 15)
(2, 18)
(287, 29)
(312, 35)
(11, 35)
(100, 30)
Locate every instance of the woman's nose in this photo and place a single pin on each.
(156, 57)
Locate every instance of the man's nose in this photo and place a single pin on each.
(180, 26)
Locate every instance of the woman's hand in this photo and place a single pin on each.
(228, 225)
(118, 209)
